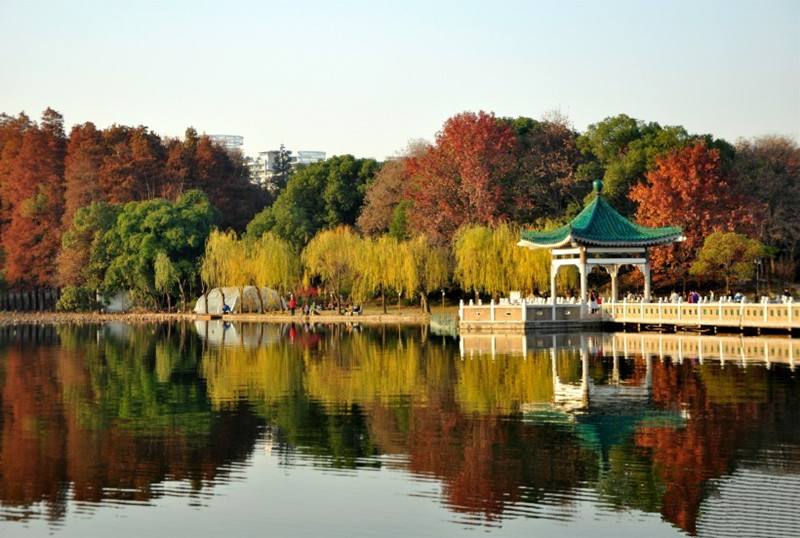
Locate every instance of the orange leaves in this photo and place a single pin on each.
(460, 178)
(688, 188)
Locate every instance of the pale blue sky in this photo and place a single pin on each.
(366, 77)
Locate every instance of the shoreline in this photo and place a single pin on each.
(87, 318)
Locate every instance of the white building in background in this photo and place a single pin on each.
(308, 157)
(261, 166)
(258, 169)
(229, 142)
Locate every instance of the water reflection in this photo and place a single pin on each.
(511, 427)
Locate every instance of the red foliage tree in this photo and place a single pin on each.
(11, 131)
(460, 179)
(34, 192)
(85, 153)
(688, 188)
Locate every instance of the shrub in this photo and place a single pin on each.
(77, 299)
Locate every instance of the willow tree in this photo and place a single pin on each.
(333, 256)
(471, 249)
(272, 263)
(166, 277)
(489, 260)
(380, 267)
(219, 267)
(426, 268)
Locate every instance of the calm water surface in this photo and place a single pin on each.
(268, 430)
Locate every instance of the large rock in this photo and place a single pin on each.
(239, 300)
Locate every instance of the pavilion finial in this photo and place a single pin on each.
(598, 186)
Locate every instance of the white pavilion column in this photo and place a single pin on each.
(613, 271)
(582, 268)
(553, 273)
(584, 372)
(646, 271)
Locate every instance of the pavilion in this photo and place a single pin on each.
(600, 236)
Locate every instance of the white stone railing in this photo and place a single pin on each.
(721, 313)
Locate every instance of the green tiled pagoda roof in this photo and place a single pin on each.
(600, 224)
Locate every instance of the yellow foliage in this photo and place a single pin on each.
(489, 260)
(268, 261)
(333, 256)
(500, 384)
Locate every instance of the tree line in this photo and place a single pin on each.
(123, 208)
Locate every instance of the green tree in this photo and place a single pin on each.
(143, 229)
(78, 262)
(281, 169)
(729, 256)
(321, 195)
(624, 149)
(166, 278)
(398, 226)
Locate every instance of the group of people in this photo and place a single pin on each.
(313, 308)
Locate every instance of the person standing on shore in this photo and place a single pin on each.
(292, 303)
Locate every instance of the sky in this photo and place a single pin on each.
(366, 78)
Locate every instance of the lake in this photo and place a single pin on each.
(212, 429)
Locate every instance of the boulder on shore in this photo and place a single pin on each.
(248, 299)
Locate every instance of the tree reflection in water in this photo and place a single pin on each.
(98, 413)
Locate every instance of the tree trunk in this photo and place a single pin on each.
(183, 296)
(260, 299)
(423, 302)
(383, 299)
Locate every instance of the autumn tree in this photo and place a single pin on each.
(332, 256)
(133, 168)
(768, 169)
(460, 179)
(33, 192)
(546, 183)
(226, 181)
(387, 191)
(488, 259)
(12, 130)
(380, 266)
(621, 150)
(427, 268)
(220, 256)
(687, 188)
(84, 160)
(272, 262)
